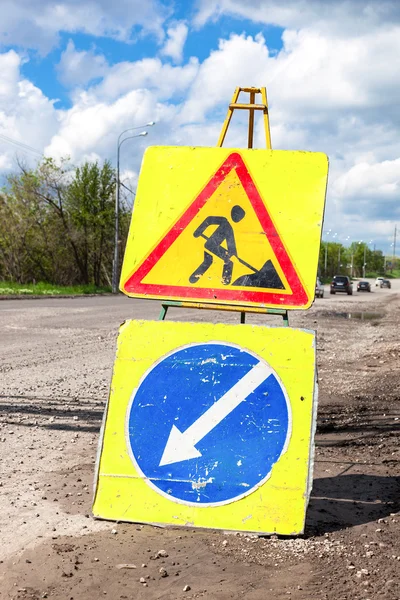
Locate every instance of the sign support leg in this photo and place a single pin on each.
(251, 107)
(163, 312)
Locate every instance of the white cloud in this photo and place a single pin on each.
(91, 125)
(347, 17)
(176, 38)
(312, 75)
(330, 88)
(237, 59)
(37, 24)
(9, 69)
(150, 73)
(335, 73)
(371, 188)
(26, 115)
(5, 162)
(78, 68)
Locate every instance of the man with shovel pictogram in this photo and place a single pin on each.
(223, 233)
(266, 277)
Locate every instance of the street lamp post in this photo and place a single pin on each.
(339, 253)
(116, 210)
(326, 249)
(326, 252)
(365, 258)
(358, 243)
(326, 257)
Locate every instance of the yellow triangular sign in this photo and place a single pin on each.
(224, 246)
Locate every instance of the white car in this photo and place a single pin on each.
(319, 289)
(378, 281)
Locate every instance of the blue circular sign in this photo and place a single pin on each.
(207, 423)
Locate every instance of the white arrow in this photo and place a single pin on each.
(181, 446)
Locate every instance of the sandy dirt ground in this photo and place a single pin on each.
(56, 358)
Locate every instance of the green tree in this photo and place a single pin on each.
(376, 262)
(89, 202)
(336, 259)
(332, 259)
(31, 242)
(57, 224)
(364, 259)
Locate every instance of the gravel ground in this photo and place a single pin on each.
(56, 362)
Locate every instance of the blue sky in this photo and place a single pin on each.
(76, 73)
(42, 70)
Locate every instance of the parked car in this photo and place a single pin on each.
(363, 286)
(378, 281)
(386, 283)
(341, 283)
(319, 289)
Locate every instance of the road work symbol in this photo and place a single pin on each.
(267, 277)
(207, 423)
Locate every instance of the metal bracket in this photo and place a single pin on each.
(198, 305)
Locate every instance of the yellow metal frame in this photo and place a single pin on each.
(251, 107)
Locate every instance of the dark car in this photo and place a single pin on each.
(363, 286)
(385, 283)
(341, 283)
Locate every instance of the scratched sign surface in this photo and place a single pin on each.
(214, 433)
(237, 227)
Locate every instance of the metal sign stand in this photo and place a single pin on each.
(251, 107)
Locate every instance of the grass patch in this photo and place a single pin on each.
(10, 288)
(395, 274)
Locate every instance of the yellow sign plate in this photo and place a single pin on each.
(216, 433)
(238, 227)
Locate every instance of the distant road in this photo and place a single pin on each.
(378, 292)
(87, 311)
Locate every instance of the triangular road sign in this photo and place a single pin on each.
(224, 247)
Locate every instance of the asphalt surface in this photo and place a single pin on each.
(56, 360)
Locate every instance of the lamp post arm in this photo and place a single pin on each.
(129, 138)
(127, 188)
(150, 124)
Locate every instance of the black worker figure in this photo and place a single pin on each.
(265, 277)
(213, 246)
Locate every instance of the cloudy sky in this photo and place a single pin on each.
(75, 73)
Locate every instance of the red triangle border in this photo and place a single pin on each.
(134, 285)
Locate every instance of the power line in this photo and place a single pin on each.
(32, 149)
(21, 145)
